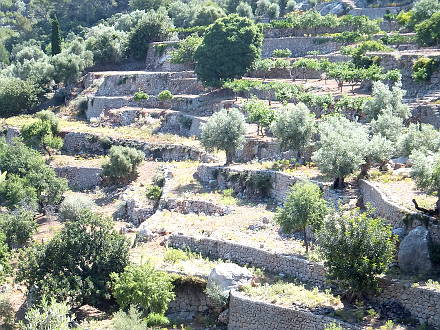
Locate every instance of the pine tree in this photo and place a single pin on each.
(56, 37)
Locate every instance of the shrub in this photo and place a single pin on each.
(185, 52)
(356, 249)
(16, 96)
(358, 52)
(4, 258)
(43, 132)
(74, 206)
(423, 10)
(143, 286)
(139, 96)
(154, 193)
(148, 4)
(294, 126)
(51, 315)
(385, 98)
(156, 319)
(259, 113)
(419, 137)
(428, 32)
(342, 148)
(76, 264)
(107, 44)
(208, 14)
(304, 207)
(224, 131)
(155, 26)
(123, 162)
(229, 49)
(18, 226)
(423, 68)
(132, 320)
(28, 172)
(165, 95)
(244, 10)
(282, 53)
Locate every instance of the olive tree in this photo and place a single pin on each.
(43, 132)
(426, 173)
(294, 126)
(304, 207)
(122, 163)
(386, 98)
(356, 248)
(17, 96)
(50, 315)
(419, 137)
(225, 130)
(245, 10)
(229, 49)
(107, 44)
(388, 125)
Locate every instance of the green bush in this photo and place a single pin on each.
(428, 32)
(28, 175)
(282, 53)
(50, 315)
(229, 49)
(208, 14)
(16, 96)
(155, 26)
(43, 132)
(356, 249)
(156, 320)
(76, 264)
(143, 286)
(122, 163)
(259, 113)
(154, 192)
(304, 207)
(423, 68)
(4, 258)
(139, 96)
(186, 50)
(165, 95)
(18, 226)
(107, 44)
(132, 320)
(224, 130)
(74, 206)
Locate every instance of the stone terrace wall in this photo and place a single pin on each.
(220, 176)
(86, 143)
(300, 46)
(80, 178)
(245, 313)
(290, 265)
(393, 212)
(152, 83)
(383, 206)
(427, 113)
(422, 303)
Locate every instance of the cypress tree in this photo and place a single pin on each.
(56, 37)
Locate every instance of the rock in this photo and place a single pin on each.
(403, 172)
(413, 253)
(229, 276)
(399, 162)
(400, 233)
(265, 220)
(334, 8)
(224, 317)
(144, 234)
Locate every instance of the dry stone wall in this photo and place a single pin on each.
(289, 265)
(300, 46)
(245, 313)
(80, 178)
(86, 143)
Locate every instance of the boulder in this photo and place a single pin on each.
(144, 234)
(399, 162)
(228, 276)
(334, 8)
(413, 253)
